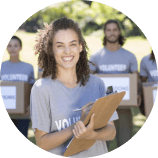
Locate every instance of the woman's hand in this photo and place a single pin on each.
(80, 131)
(85, 110)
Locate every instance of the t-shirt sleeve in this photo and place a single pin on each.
(31, 76)
(143, 71)
(93, 60)
(133, 64)
(103, 94)
(40, 111)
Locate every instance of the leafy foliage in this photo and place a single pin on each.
(90, 16)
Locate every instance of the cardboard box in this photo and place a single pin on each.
(123, 82)
(16, 96)
(150, 92)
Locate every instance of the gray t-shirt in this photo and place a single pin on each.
(20, 71)
(113, 62)
(148, 68)
(52, 105)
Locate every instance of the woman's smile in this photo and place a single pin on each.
(68, 58)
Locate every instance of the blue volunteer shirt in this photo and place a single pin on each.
(18, 72)
(148, 68)
(113, 62)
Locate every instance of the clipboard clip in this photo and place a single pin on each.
(110, 91)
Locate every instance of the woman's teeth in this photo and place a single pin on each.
(67, 58)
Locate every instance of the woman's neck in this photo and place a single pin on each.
(14, 59)
(67, 77)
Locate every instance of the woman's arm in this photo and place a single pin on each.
(48, 141)
(107, 133)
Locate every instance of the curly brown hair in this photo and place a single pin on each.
(121, 38)
(44, 48)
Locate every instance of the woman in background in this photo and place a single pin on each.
(18, 71)
(148, 73)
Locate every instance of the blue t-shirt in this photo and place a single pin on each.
(113, 62)
(18, 72)
(148, 68)
(52, 105)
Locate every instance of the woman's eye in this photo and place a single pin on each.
(59, 46)
(73, 44)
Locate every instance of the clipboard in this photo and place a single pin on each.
(103, 108)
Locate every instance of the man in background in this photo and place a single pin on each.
(113, 59)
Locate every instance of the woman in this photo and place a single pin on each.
(16, 70)
(148, 72)
(66, 85)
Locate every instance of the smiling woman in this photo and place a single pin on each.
(66, 85)
(14, 70)
(66, 50)
(52, 40)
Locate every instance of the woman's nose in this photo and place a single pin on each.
(67, 50)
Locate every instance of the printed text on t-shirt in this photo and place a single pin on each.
(113, 67)
(154, 73)
(14, 77)
(62, 124)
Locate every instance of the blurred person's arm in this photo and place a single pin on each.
(143, 74)
(142, 79)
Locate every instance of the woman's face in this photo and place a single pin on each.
(14, 47)
(66, 49)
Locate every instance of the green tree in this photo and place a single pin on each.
(90, 16)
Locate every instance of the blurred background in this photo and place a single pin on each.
(91, 17)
